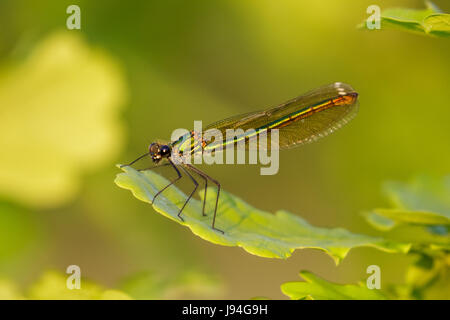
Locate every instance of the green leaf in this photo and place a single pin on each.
(428, 277)
(317, 288)
(418, 236)
(424, 193)
(429, 21)
(148, 285)
(422, 213)
(379, 222)
(53, 286)
(258, 232)
(437, 24)
(412, 217)
(425, 201)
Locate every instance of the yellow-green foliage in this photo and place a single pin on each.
(258, 232)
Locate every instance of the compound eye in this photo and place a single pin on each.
(154, 148)
(165, 150)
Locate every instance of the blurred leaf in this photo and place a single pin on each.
(114, 295)
(17, 231)
(422, 218)
(438, 24)
(420, 237)
(427, 21)
(424, 193)
(422, 271)
(423, 214)
(319, 289)
(58, 118)
(52, 286)
(427, 278)
(9, 290)
(378, 221)
(147, 285)
(412, 217)
(258, 232)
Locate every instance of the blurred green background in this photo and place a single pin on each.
(73, 103)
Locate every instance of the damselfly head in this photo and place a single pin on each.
(158, 151)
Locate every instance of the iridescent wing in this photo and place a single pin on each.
(299, 121)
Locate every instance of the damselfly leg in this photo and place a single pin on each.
(134, 161)
(190, 195)
(204, 175)
(165, 164)
(171, 183)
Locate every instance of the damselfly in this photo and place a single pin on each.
(298, 121)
